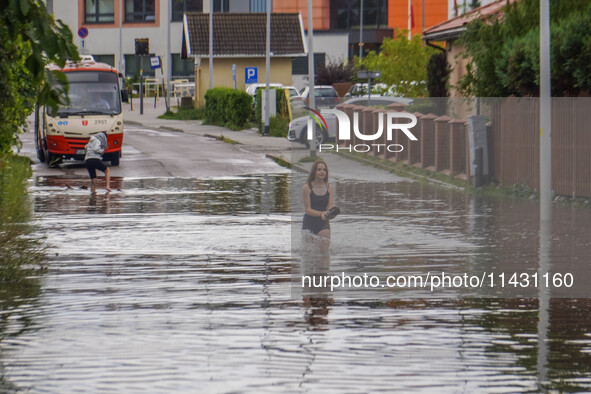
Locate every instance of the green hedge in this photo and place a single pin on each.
(227, 107)
(21, 247)
(282, 104)
(278, 124)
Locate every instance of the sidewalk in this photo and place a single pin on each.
(252, 141)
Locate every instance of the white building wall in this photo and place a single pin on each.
(106, 40)
(335, 45)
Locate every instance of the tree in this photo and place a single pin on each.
(438, 73)
(504, 52)
(402, 63)
(29, 39)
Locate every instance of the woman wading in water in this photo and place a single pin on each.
(318, 196)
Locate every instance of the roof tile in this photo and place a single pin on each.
(244, 34)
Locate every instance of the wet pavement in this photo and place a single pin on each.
(184, 284)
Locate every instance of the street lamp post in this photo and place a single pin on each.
(267, 70)
(545, 115)
(311, 98)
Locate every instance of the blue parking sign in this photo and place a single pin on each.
(250, 75)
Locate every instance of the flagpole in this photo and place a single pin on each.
(409, 22)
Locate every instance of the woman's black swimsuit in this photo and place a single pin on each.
(315, 224)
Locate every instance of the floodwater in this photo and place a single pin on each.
(185, 285)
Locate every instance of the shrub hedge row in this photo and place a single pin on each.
(227, 107)
(278, 124)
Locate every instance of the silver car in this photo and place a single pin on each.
(298, 128)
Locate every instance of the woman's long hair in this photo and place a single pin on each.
(312, 174)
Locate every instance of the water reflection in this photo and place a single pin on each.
(172, 284)
(409, 228)
(19, 304)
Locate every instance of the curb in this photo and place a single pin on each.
(168, 128)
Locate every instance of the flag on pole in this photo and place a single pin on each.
(412, 17)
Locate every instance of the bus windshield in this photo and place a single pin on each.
(91, 93)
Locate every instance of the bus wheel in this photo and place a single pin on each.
(39, 145)
(115, 158)
(40, 150)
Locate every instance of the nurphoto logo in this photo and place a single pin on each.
(344, 130)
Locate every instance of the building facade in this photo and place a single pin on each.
(114, 25)
(339, 30)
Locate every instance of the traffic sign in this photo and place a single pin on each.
(250, 75)
(368, 74)
(83, 32)
(155, 62)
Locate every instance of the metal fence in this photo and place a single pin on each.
(515, 149)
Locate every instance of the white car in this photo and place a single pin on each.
(298, 128)
(293, 92)
(252, 89)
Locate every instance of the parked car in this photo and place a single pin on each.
(325, 96)
(293, 92)
(298, 128)
(255, 87)
(252, 89)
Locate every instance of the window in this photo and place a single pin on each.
(345, 14)
(181, 67)
(133, 65)
(299, 64)
(221, 5)
(181, 6)
(259, 6)
(108, 59)
(99, 11)
(140, 11)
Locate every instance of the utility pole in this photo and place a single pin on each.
(545, 115)
(211, 44)
(409, 19)
(121, 67)
(311, 98)
(361, 31)
(423, 10)
(168, 59)
(268, 70)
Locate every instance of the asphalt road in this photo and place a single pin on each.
(154, 153)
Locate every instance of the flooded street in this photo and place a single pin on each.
(185, 285)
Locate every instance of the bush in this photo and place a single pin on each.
(278, 126)
(282, 104)
(334, 73)
(227, 107)
(19, 248)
